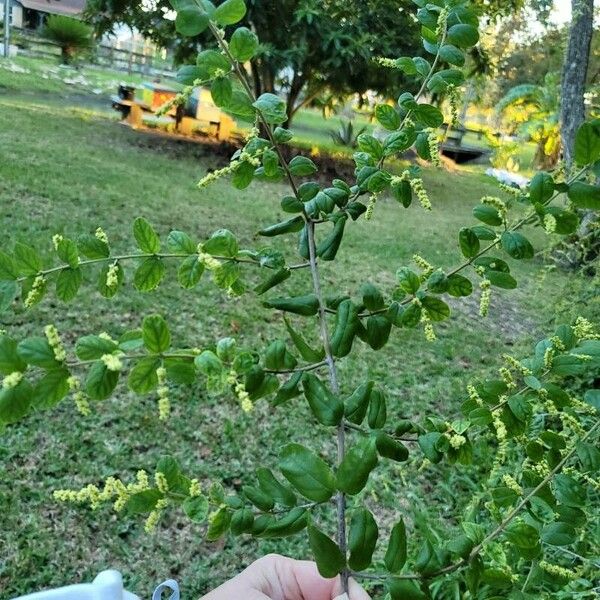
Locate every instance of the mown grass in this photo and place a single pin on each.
(68, 171)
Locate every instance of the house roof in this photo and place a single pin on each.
(55, 7)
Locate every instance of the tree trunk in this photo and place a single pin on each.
(575, 68)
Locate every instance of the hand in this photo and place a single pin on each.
(275, 577)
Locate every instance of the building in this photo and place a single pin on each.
(31, 14)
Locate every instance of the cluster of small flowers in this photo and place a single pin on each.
(442, 20)
(195, 490)
(112, 362)
(245, 156)
(427, 327)
(253, 133)
(420, 192)
(507, 377)
(550, 223)
(386, 62)
(511, 189)
(486, 296)
(425, 266)
(510, 482)
(473, 395)
(164, 403)
(497, 203)
(513, 363)
(240, 391)
(56, 240)
(434, 148)
(570, 422)
(55, 343)
(112, 276)
(154, 516)
(79, 397)
(457, 440)
(579, 476)
(584, 330)
(548, 357)
(101, 235)
(454, 98)
(560, 171)
(161, 482)
(371, 206)
(541, 468)
(210, 262)
(12, 380)
(36, 291)
(558, 570)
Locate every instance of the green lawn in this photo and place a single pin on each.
(68, 170)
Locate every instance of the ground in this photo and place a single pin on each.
(68, 167)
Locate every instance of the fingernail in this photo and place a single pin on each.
(344, 596)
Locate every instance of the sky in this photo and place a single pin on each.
(562, 11)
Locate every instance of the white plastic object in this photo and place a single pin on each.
(108, 585)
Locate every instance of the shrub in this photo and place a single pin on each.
(526, 531)
(71, 35)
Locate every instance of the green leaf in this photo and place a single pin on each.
(149, 274)
(458, 285)
(190, 271)
(100, 382)
(109, 292)
(210, 63)
(501, 279)
(372, 146)
(243, 175)
(230, 12)
(243, 44)
(91, 247)
(272, 108)
(487, 214)
(329, 558)
(15, 402)
(219, 523)
(362, 539)
(327, 408)
(240, 106)
(289, 226)
(587, 143)
(143, 378)
(387, 116)
(469, 242)
(179, 242)
(451, 54)
(404, 590)
(437, 309)
(408, 280)
(242, 521)
(37, 351)
(388, 447)
(10, 361)
(559, 534)
(155, 333)
(51, 388)
(568, 491)
(301, 305)
(395, 555)
(259, 498)
(302, 166)
(541, 187)
(196, 508)
(584, 195)
(308, 473)
(353, 472)
(329, 246)
(145, 236)
(143, 502)
(516, 245)
(377, 415)
(295, 521)
(462, 35)
(93, 347)
(8, 292)
(192, 18)
(358, 402)
(27, 259)
(221, 91)
(67, 252)
(522, 535)
(221, 243)
(305, 350)
(429, 115)
(8, 268)
(68, 283)
(280, 493)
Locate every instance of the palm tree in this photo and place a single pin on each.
(71, 35)
(537, 108)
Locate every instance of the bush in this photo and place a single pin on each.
(71, 35)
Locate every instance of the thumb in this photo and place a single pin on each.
(356, 593)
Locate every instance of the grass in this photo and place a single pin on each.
(68, 170)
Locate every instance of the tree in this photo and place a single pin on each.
(540, 113)
(71, 35)
(574, 73)
(306, 47)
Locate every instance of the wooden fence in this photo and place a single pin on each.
(147, 63)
